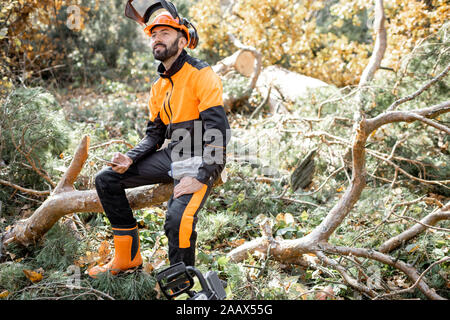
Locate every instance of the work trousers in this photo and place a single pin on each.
(181, 215)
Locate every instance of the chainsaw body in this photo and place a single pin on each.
(179, 278)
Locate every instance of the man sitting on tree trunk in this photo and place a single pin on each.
(185, 106)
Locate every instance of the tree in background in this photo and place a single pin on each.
(28, 49)
(328, 40)
(64, 40)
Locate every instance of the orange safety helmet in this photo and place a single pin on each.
(165, 19)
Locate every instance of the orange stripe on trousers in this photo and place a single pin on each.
(187, 221)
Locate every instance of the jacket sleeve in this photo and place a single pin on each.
(215, 124)
(153, 140)
(154, 134)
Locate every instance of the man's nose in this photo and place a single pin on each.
(155, 38)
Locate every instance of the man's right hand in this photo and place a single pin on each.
(123, 162)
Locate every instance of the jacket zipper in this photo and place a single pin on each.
(168, 103)
(169, 127)
(165, 110)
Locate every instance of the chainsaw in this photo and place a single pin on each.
(179, 278)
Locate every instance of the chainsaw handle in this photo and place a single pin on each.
(200, 277)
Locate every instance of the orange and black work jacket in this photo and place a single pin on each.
(187, 96)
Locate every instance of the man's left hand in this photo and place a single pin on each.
(187, 185)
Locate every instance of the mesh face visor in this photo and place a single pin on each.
(143, 11)
(135, 9)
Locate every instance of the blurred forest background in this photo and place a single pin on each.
(74, 68)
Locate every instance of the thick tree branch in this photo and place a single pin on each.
(407, 116)
(75, 167)
(431, 123)
(429, 220)
(383, 258)
(379, 48)
(66, 200)
(420, 91)
(29, 191)
(291, 251)
(29, 231)
(417, 281)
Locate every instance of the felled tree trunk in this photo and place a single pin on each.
(65, 200)
(280, 86)
(248, 62)
(287, 86)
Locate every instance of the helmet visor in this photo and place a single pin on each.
(153, 15)
(135, 9)
(144, 11)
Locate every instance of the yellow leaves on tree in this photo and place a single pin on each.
(409, 23)
(26, 46)
(286, 33)
(289, 32)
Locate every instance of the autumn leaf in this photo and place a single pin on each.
(33, 276)
(280, 217)
(325, 293)
(412, 247)
(103, 252)
(4, 294)
(304, 216)
(236, 243)
(148, 268)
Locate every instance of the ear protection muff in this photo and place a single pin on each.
(142, 10)
(193, 35)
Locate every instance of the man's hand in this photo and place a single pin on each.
(123, 161)
(187, 185)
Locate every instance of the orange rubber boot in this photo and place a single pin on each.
(127, 253)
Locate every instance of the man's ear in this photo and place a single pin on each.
(182, 43)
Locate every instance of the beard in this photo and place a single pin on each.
(165, 52)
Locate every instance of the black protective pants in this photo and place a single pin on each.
(181, 216)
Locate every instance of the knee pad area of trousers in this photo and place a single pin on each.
(106, 180)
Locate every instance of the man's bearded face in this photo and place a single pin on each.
(162, 46)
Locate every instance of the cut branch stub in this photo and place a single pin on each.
(302, 175)
(75, 167)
